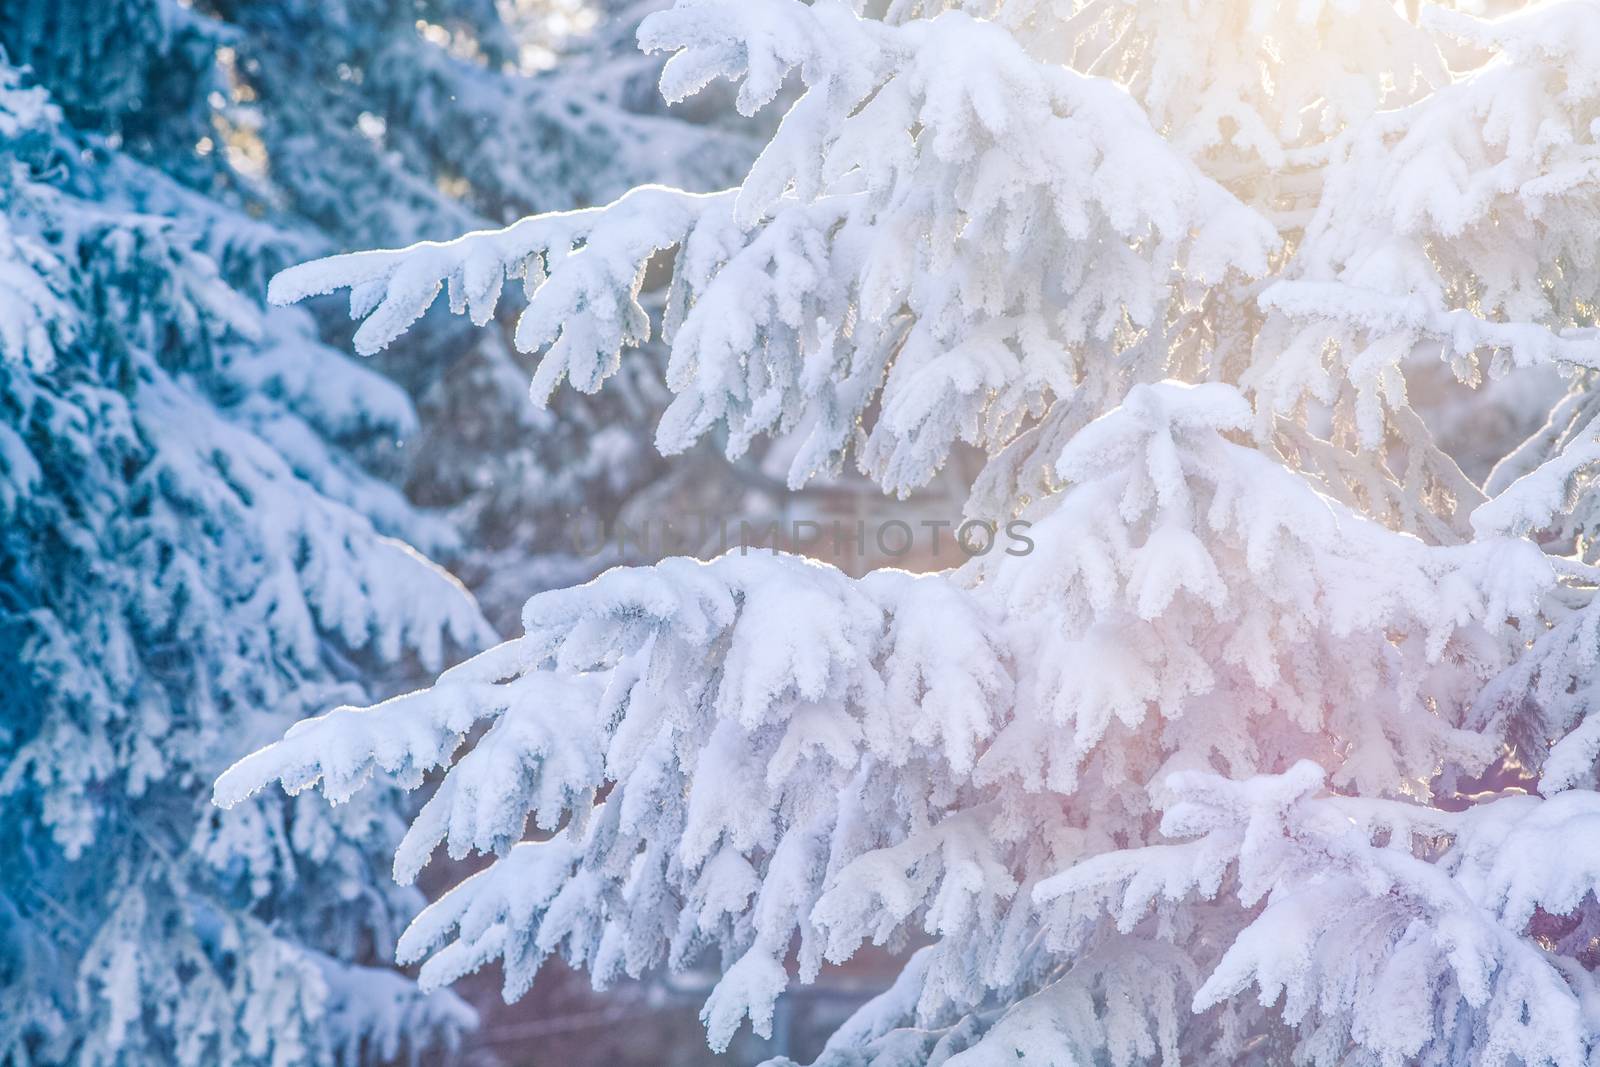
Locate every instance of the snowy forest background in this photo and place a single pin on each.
(1274, 325)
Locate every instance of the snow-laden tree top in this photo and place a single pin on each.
(1274, 746)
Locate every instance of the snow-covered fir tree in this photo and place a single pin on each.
(195, 554)
(1276, 747)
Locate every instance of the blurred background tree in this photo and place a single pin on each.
(198, 545)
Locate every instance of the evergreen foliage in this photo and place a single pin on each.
(1277, 747)
(194, 555)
